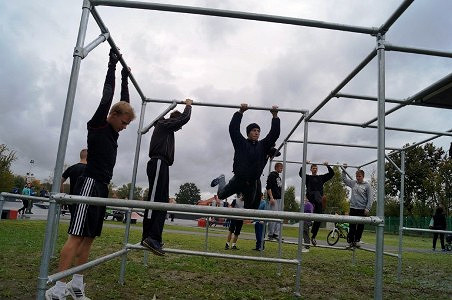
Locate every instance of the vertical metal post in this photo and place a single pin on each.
(131, 192)
(297, 291)
(122, 269)
(207, 234)
(55, 229)
(281, 205)
(59, 164)
(401, 198)
(378, 291)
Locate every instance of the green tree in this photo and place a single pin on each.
(289, 200)
(188, 194)
(6, 176)
(421, 169)
(123, 192)
(336, 194)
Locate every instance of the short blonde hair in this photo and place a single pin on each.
(123, 108)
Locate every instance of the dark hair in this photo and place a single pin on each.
(175, 114)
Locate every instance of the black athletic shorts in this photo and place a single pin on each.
(87, 220)
(236, 226)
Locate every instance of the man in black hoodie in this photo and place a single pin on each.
(250, 158)
(314, 193)
(161, 153)
(273, 188)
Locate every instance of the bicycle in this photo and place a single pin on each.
(340, 230)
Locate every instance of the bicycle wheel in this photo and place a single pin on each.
(332, 237)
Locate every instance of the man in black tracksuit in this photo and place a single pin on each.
(314, 193)
(250, 158)
(161, 152)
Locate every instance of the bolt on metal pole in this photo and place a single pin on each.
(303, 193)
(378, 291)
(59, 164)
(401, 197)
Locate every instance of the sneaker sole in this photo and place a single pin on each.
(153, 250)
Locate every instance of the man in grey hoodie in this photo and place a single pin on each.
(360, 203)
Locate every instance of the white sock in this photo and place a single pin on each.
(227, 243)
(77, 281)
(60, 288)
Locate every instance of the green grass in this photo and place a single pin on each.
(326, 273)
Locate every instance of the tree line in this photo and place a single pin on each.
(428, 183)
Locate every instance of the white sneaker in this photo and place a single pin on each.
(305, 250)
(52, 294)
(75, 292)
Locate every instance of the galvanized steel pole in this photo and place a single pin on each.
(379, 247)
(59, 164)
(401, 204)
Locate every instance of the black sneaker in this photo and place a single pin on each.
(235, 247)
(313, 242)
(226, 247)
(153, 245)
(216, 181)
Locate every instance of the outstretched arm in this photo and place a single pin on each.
(275, 129)
(125, 85)
(330, 173)
(234, 125)
(101, 113)
(348, 182)
(175, 123)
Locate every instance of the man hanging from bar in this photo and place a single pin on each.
(87, 220)
(161, 153)
(314, 193)
(250, 158)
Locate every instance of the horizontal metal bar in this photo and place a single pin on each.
(364, 63)
(225, 216)
(112, 43)
(78, 269)
(391, 20)
(410, 147)
(24, 197)
(387, 128)
(196, 103)
(372, 250)
(99, 40)
(234, 15)
(146, 129)
(390, 47)
(220, 255)
(64, 198)
(315, 163)
(371, 98)
(426, 230)
(342, 145)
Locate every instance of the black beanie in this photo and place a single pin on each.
(251, 127)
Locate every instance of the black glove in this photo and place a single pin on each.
(113, 58)
(125, 72)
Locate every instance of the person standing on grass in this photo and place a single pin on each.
(273, 187)
(314, 192)
(235, 226)
(439, 223)
(87, 220)
(25, 191)
(361, 199)
(250, 158)
(161, 154)
(308, 208)
(259, 227)
(73, 173)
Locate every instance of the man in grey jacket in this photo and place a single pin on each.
(360, 203)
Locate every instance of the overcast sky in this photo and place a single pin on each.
(217, 60)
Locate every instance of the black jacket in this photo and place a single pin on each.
(162, 141)
(250, 157)
(314, 184)
(274, 184)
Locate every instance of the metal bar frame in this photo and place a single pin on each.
(344, 145)
(234, 15)
(88, 6)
